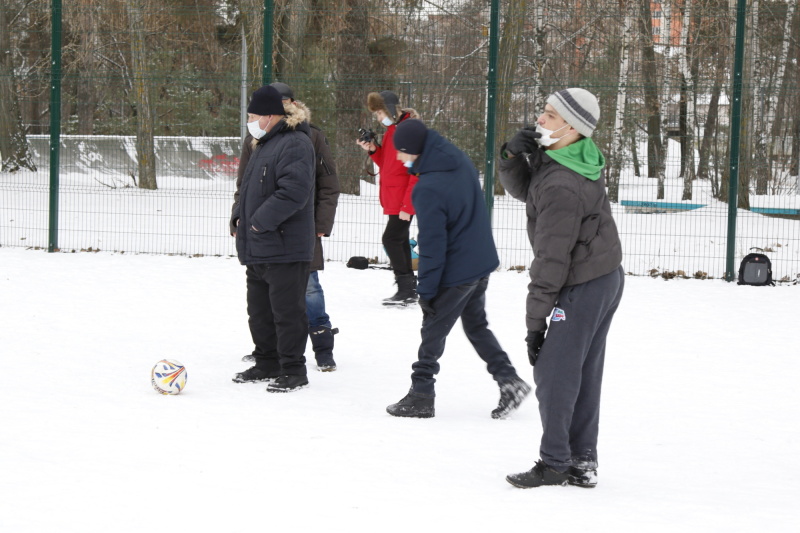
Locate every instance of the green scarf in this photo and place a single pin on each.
(583, 157)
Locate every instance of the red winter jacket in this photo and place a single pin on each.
(396, 183)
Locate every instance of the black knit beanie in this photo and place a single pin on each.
(409, 137)
(266, 101)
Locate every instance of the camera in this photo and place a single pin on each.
(367, 136)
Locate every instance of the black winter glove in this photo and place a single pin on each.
(524, 141)
(535, 339)
(427, 308)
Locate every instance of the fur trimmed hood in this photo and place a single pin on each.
(297, 106)
(296, 116)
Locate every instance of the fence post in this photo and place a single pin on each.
(55, 122)
(491, 107)
(736, 118)
(266, 68)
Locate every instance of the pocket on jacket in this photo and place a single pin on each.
(590, 226)
(266, 244)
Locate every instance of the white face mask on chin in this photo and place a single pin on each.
(387, 121)
(255, 131)
(546, 139)
(408, 164)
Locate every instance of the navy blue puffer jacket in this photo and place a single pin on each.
(455, 238)
(275, 212)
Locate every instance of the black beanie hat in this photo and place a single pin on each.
(266, 101)
(409, 137)
(285, 90)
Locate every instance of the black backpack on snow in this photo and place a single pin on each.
(755, 269)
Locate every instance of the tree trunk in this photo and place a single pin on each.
(145, 144)
(291, 31)
(712, 114)
(616, 155)
(352, 87)
(510, 41)
(666, 97)
(687, 107)
(89, 42)
(651, 102)
(14, 151)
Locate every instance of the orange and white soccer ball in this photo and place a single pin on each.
(168, 377)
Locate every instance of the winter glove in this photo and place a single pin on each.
(535, 339)
(524, 141)
(427, 308)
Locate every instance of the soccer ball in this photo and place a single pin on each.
(168, 377)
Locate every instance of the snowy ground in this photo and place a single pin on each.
(699, 399)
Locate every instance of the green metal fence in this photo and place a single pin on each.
(120, 121)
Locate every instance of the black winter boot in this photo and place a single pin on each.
(413, 405)
(541, 474)
(406, 291)
(288, 384)
(322, 341)
(583, 473)
(512, 392)
(255, 374)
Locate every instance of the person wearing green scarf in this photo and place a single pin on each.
(576, 276)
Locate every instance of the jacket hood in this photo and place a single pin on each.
(297, 118)
(297, 107)
(437, 155)
(582, 157)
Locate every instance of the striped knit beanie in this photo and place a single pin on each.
(578, 107)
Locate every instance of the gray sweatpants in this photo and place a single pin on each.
(569, 371)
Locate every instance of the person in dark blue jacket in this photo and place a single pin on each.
(456, 256)
(275, 237)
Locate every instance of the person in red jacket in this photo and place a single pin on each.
(396, 185)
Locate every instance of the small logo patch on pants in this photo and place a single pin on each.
(558, 315)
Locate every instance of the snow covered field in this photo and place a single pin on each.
(698, 430)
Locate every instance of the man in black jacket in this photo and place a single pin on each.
(274, 228)
(326, 198)
(576, 280)
(456, 256)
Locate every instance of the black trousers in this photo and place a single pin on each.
(569, 371)
(276, 307)
(469, 303)
(395, 241)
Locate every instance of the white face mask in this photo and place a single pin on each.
(408, 164)
(255, 131)
(387, 121)
(546, 139)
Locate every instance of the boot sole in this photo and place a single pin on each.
(287, 390)
(520, 486)
(399, 304)
(266, 380)
(425, 415)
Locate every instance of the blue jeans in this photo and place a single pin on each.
(315, 303)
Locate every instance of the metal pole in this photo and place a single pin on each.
(491, 107)
(55, 123)
(736, 119)
(243, 94)
(266, 72)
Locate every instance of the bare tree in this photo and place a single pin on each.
(510, 40)
(615, 159)
(352, 86)
(145, 144)
(14, 150)
(689, 98)
(652, 103)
